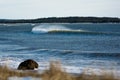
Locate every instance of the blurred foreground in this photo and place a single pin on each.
(55, 72)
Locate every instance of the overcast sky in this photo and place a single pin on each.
(28, 9)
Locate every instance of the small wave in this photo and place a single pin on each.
(65, 31)
(96, 54)
(84, 32)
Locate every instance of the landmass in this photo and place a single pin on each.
(65, 20)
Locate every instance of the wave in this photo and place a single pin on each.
(90, 54)
(60, 29)
(49, 28)
(84, 32)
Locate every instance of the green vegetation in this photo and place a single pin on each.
(54, 73)
(65, 20)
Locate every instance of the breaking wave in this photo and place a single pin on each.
(60, 29)
(46, 28)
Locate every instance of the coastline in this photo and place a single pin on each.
(34, 24)
(65, 20)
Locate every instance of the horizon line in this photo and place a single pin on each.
(58, 17)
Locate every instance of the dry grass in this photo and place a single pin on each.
(54, 73)
(5, 73)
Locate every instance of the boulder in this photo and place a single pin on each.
(28, 65)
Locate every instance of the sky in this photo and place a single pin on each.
(31, 9)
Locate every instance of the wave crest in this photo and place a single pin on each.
(47, 28)
(56, 28)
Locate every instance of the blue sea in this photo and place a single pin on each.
(77, 46)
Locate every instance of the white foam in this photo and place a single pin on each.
(72, 69)
(10, 62)
(44, 28)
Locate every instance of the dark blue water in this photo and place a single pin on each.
(77, 46)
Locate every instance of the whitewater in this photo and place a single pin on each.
(79, 47)
(49, 28)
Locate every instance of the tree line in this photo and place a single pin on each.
(65, 20)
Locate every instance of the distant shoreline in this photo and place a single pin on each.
(64, 20)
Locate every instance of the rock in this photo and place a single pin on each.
(28, 65)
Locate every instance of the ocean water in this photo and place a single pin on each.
(77, 46)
